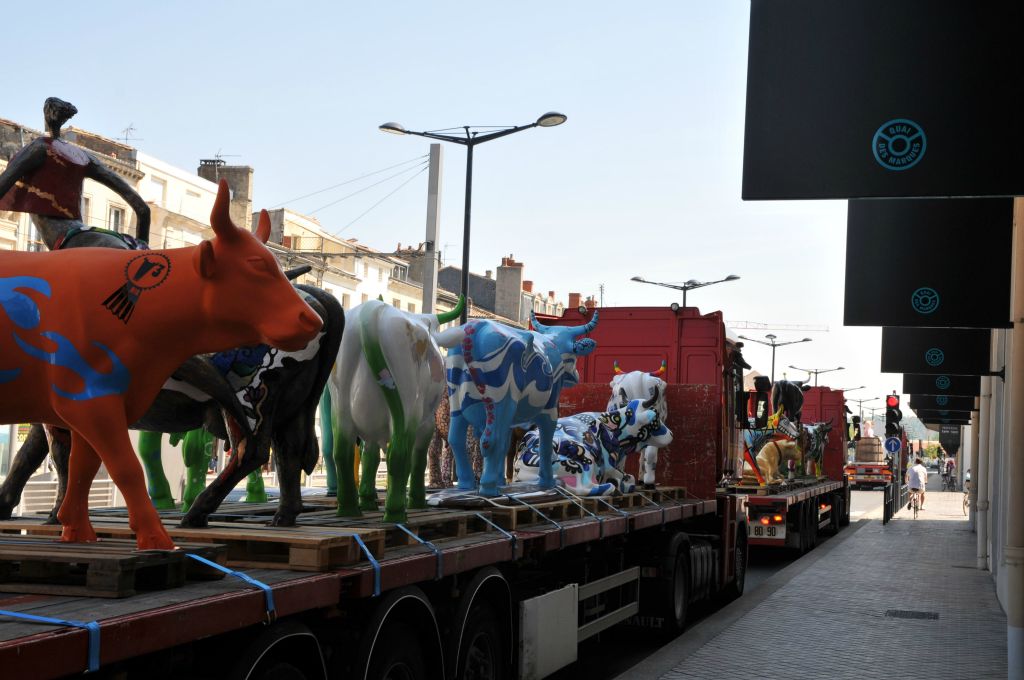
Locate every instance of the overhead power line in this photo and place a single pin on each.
(421, 167)
(350, 181)
(389, 195)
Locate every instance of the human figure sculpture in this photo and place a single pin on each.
(385, 388)
(45, 180)
(197, 450)
(88, 337)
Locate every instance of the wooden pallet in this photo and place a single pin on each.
(307, 548)
(108, 568)
(430, 524)
(516, 516)
(664, 494)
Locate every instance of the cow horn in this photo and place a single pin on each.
(220, 216)
(537, 325)
(653, 400)
(664, 367)
(577, 331)
(445, 317)
(296, 272)
(615, 367)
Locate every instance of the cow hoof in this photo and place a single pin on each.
(50, 521)
(155, 542)
(193, 522)
(5, 511)
(79, 534)
(280, 520)
(349, 511)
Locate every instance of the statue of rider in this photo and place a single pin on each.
(45, 180)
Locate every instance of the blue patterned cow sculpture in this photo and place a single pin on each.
(499, 377)
(591, 448)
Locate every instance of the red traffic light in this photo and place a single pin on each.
(892, 401)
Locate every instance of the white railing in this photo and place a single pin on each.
(40, 495)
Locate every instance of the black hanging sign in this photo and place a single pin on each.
(955, 272)
(942, 385)
(941, 402)
(943, 415)
(939, 351)
(875, 99)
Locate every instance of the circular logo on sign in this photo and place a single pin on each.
(942, 400)
(925, 300)
(942, 382)
(899, 144)
(147, 271)
(934, 357)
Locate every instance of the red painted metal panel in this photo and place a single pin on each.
(825, 404)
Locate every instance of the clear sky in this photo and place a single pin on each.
(643, 178)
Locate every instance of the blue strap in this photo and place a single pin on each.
(561, 529)
(511, 537)
(622, 512)
(571, 497)
(373, 562)
(656, 504)
(434, 548)
(93, 627)
(267, 591)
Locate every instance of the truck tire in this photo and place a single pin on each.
(482, 654)
(812, 523)
(844, 518)
(735, 588)
(672, 590)
(397, 655)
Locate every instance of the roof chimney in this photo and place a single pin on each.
(528, 286)
(488, 273)
(590, 302)
(551, 294)
(574, 300)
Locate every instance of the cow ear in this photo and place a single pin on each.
(263, 228)
(204, 260)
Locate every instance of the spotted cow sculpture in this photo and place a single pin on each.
(385, 387)
(88, 337)
(498, 377)
(641, 385)
(590, 449)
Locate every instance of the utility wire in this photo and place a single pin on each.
(382, 200)
(359, 191)
(350, 181)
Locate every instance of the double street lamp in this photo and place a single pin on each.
(815, 371)
(685, 287)
(771, 343)
(850, 389)
(860, 405)
(470, 139)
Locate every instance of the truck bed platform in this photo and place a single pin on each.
(148, 622)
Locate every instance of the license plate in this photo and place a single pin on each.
(758, 530)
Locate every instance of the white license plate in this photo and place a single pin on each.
(758, 530)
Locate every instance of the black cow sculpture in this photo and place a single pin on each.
(789, 394)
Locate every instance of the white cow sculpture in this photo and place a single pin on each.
(641, 385)
(385, 387)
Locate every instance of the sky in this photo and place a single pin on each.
(643, 178)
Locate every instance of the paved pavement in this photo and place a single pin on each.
(825, 616)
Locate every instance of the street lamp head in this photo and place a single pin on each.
(692, 282)
(771, 336)
(638, 278)
(551, 119)
(807, 340)
(393, 128)
(732, 277)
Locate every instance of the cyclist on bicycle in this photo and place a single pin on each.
(917, 480)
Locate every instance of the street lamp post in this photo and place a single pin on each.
(771, 343)
(470, 140)
(860, 406)
(815, 371)
(692, 284)
(849, 389)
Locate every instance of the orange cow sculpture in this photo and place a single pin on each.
(89, 335)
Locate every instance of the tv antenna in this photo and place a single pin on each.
(128, 131)
(220, 156)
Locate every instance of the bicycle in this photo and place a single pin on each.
(948, 483)
(967, 499)
(914, 501)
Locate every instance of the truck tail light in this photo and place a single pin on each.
(777, 518)
(765, 520)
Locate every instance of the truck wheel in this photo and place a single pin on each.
(735, 589)
(397, 655)
(280, 671)
(483, 655)
(836, 515)
(673, 587)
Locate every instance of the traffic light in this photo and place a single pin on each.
(893, 415)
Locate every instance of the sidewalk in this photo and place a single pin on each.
(824, 616)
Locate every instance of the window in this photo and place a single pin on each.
(192, 194)
(380, 274)
(86, 209)
(365, 297)
(157, 191)
(411, 307)
(396, 303)
(346, 300)
(366, 270)
(400, 272)
(115, 218)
